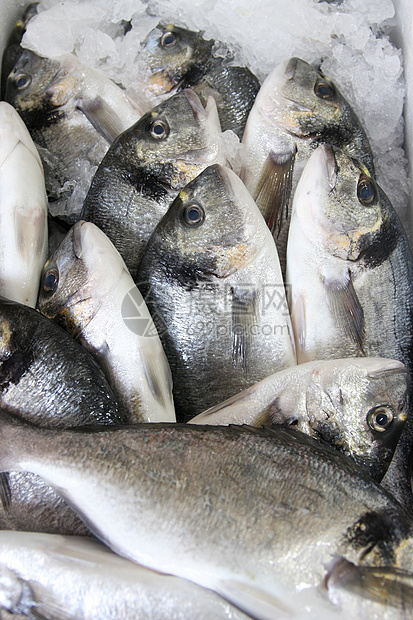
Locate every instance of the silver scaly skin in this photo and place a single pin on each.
(264, 518)
(87, 289)
(357, 405)
(211, 277)
(350, 277)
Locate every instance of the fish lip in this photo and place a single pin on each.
(324, 155)
(194, 101)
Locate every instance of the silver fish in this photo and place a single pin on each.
(49, 380)
(147, 166)
(66, 577)
(296, 109)
(211, 276)
(87, 289)
(260, 517)
(23, 204)
(350, 275)
(357, 405)
(73, 112)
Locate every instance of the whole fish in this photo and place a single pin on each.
(297, 109)
(357, 405)
(177, 58)
(211, 277)
(49, 380)
(147, 166)
(23, 205)
(62, 577)
(73, 113)
(262, 518)
(350, 275)
(87, 289)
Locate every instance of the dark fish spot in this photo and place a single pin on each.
(382, 247)
(380, 530)
(14, 367)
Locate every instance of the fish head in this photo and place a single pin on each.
(342, 207)
(303, 102)
(174, 56)
(212, 228)
(37, 86)
(82, 271)
(360, 406)
(175, 141)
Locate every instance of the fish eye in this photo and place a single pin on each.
(169, 39)
(380, 418)
(159, 129)
(193, 214)
(50, 280)
(323, 90)
(23, 80)
(366, 192)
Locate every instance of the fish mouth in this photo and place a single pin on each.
(194, 101)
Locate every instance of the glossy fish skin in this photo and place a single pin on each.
(297, 109)
(341, 402)
(23, 204)
(216, 294)
(49, 380)
(73, 113)
(147, 166)
(180, 58)
(85, 288)
(245, 512)
(350, 272)
(76, 577)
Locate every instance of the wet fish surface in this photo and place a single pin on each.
(210, 275)
(87, 289)
(179, 58)
(147, 166)
(50, 380)
(73, 113)
(23, 204)
(269, 495)
(350, 273)
(59, 577)
(356, 405)
(297, 109)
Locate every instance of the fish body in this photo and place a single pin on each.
(244, 512)
(211, 277)
(87, 289)
(49, 380)
(73, 113)
(296, 110)
(350, 272)
(358, 406)
(147, 166)
(177, 58)
(23, 204)
(60, 577)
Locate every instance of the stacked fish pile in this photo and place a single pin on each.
(208, 368)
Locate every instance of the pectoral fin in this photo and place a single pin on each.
(388, 586)
(346, 309)
(273, 191)
(103, 118)
(243, 318)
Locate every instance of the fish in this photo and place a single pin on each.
(178, 58)
(297, 109)
(62, 577)
(147, 166)
(261, 517)
(210, 276)
(23, 204)
(73, 112)
(49, 380)
(350, 276)
(87, 289)
(357, 405)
